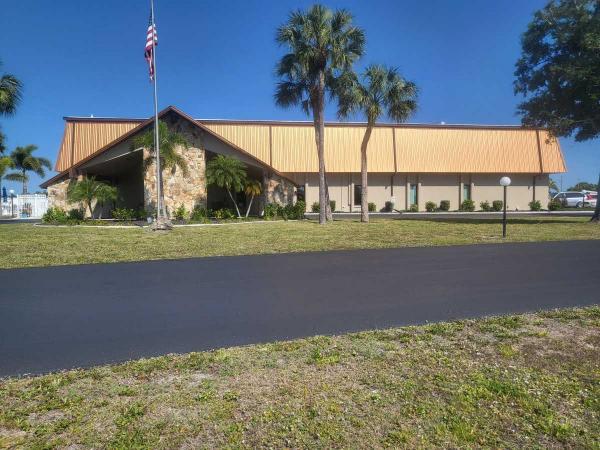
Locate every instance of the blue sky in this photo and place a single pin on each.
(216, 60)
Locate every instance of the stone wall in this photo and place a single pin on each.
(278, 189)
(57, 194)
(179, 189)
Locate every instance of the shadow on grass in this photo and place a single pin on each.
(509, 220)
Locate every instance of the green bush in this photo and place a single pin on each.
(372, 207)
(315, 207)
(224, 214)
(485, 206)
(76, 214)
(55, 216)
(554, 205)
(332, 205)
(271, 210)
(535, 205)
(124, 214)
(199, 214)
(430, 206)
(181, 213)
(414, 208)
(445, 205)
(389, 206)
(299, 210)
(497, 205)
(467, 205)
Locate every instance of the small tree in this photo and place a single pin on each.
(88, 190)
(253, 188)
(24, 161)
(5, 163)
(228, 173)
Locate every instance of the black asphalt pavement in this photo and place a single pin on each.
(61, 317)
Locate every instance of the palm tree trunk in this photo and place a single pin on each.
(249, 206)
(596, 216)
(319, 123)
(364, 198)
(24, 190)
(90, 208)
(234, 204)
(163, 209)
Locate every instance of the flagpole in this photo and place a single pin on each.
(156, 139)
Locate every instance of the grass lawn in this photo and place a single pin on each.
(25, 245)
(529, 381)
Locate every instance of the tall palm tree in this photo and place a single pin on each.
(253, 188)
(10, 94)
(24, 161)
(88, 190)
(229, 173)
(381, 92)
(321, 44)
(170, 159)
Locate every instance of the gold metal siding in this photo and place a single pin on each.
(63, 160)
(252, 138)
(552, 157)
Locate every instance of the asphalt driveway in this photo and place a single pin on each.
(61, 317)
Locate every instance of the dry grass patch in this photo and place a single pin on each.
(514, 381)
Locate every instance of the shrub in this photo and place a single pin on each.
(124, 214)
(430, 206)
(467, 205)
(224, 214)
(332, 205)
(554, 205)
(372, 207)
(535, 205)
(271, 210)
(485, 206)
(414, 208)
(56, 216)
(143, 214)
(389, 206)
(181, 213)
(315, 207)
(445, 205)
(299, 210)
(199, 214)
(497, 205)
(76, 214)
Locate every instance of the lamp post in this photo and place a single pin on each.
(12, 203)
(504, 182)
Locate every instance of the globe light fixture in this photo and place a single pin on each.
(504, 182)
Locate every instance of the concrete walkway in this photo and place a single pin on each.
(61, 317)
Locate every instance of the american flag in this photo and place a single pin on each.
(149, 47)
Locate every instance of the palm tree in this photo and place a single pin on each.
(382, 92)
(253, 188)
(5, 163)
(170, 159)
(229, 173)
(321, 44)
(88, 190)
(10, 94)
(24, 161)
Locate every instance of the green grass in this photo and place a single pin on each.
(24, 245)
(445, 385)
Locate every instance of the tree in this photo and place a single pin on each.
(552, 185)
(584, 186)
(558, 72)
(5, 164)
(253, 188)
(170, 158)
(229, 173)
(321, 45)
(24, 161)
(10, 94)
(87, 190)
(382, 91)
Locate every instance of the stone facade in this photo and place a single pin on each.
(278, 189)
(57, 194)
(179, 190)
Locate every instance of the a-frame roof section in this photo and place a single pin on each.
(144, 124)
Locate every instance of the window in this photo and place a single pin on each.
(466, 191)
(300, 194)
(357, 194)
(414, 199)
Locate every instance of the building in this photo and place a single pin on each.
(408, 163)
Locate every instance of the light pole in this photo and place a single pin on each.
(504, 182)
(12, 203)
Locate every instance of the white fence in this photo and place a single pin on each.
(27, 206)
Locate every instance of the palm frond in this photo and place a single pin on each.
(16, 176)
(10, 94)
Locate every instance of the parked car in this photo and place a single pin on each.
(576, 199)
